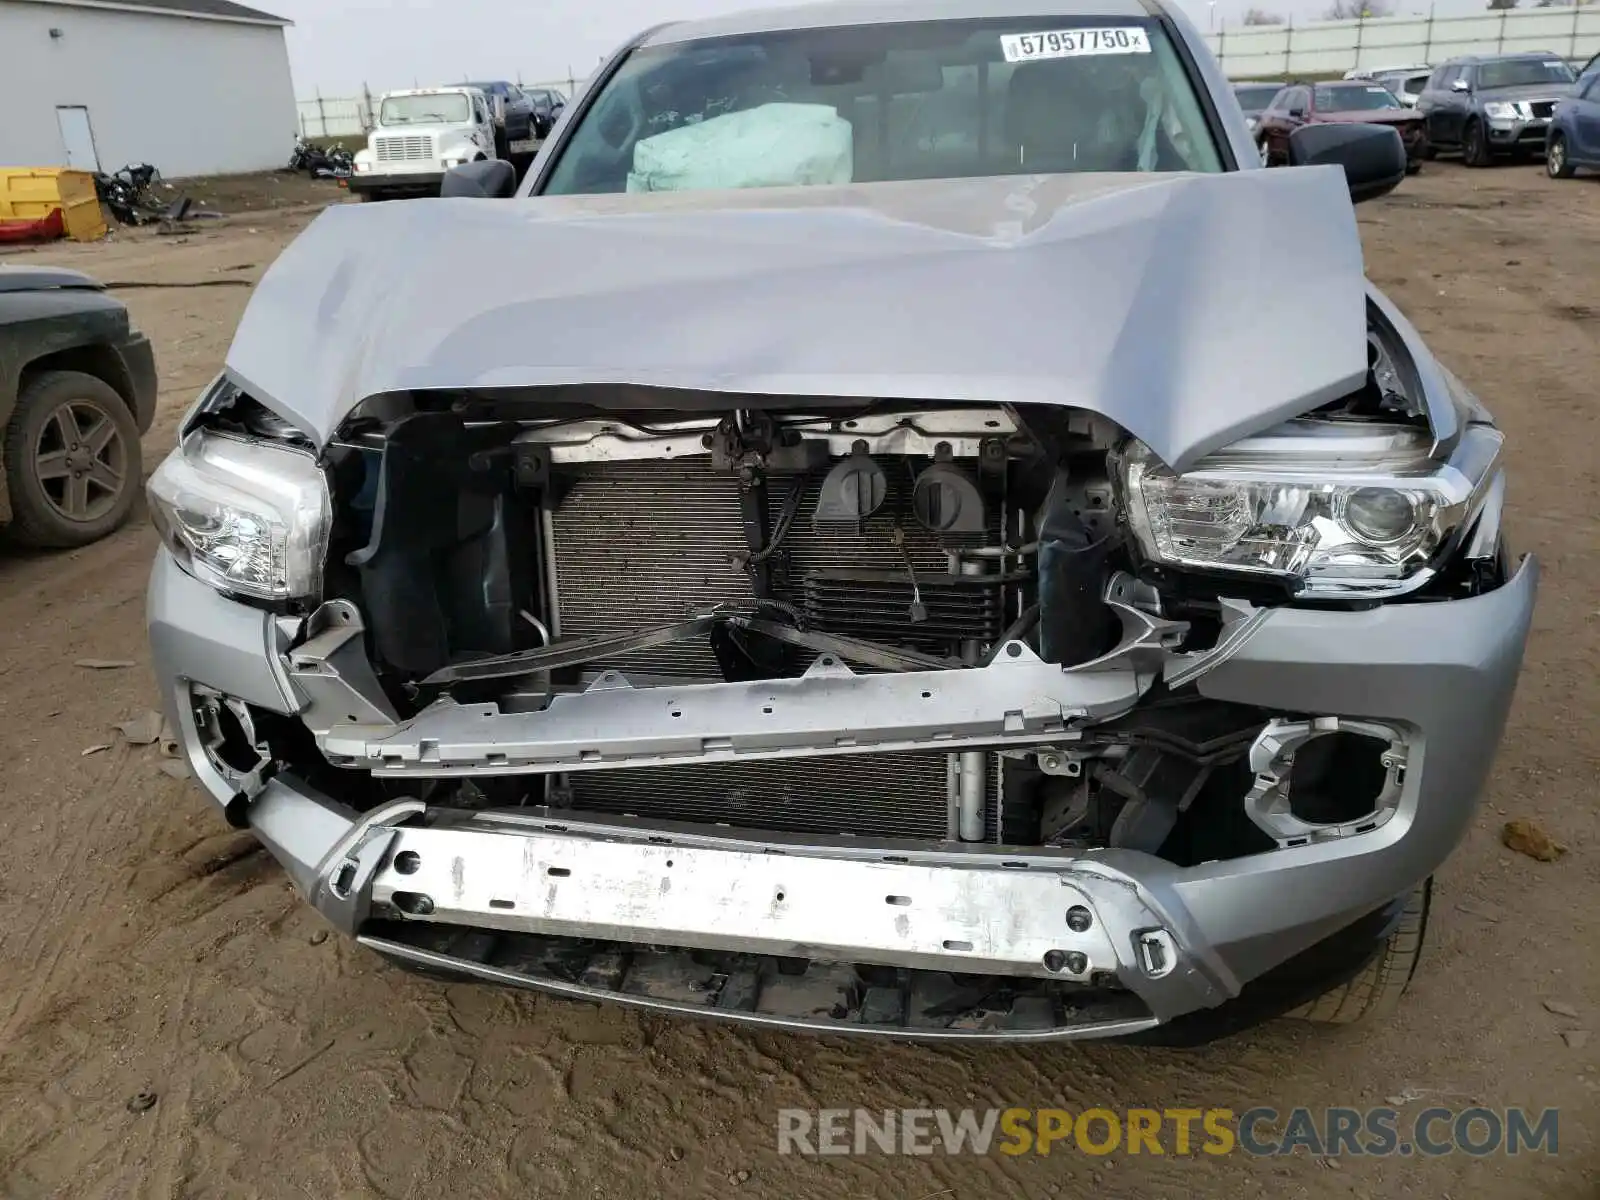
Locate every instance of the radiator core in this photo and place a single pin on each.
(638, 544)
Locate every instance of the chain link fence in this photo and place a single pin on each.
(352, 116)
(1245, 51)
(1332, 47)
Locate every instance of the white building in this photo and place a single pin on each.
(196, 87)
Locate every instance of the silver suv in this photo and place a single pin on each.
(1494, 105)
(833, 552)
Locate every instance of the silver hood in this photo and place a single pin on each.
(1192, 310)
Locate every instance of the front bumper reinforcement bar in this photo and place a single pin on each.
(1018, 700)
(1052, 917)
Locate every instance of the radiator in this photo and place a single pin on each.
(640, 544)
(861, 795)
(648, 543)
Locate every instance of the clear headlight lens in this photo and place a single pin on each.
(1336, 511)
(1500, 109)
(247, 517)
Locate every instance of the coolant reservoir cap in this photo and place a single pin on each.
(853, 489)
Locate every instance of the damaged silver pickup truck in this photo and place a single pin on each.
(832, 552)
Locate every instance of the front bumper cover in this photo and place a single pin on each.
(1179, 939)
(1517, 132)
(406, 181)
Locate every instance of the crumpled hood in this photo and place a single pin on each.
(1190, 309)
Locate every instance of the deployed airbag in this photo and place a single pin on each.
(775, 145)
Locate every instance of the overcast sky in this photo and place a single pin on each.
(337, 45)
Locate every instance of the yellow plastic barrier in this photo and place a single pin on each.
(29, 193)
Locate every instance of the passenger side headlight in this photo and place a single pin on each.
(244, 516)
(1335, 510)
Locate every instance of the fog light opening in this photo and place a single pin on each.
(1328, 777)
(232, 744)
(1338, 779)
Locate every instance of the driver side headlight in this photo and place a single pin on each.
(1334, 510)
(245, 516)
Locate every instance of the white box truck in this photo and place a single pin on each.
(420, 134)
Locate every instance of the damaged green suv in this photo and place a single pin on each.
(77, 389)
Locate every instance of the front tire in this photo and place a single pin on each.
(72, 461)
(1375, 992)
(1557, 164)
(1475, 145)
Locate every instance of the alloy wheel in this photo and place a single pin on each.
(1555, 157)
(80, 461)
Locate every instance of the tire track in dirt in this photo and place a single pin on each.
(84, 1087)
(92, 817)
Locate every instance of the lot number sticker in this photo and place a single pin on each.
(1070, 43)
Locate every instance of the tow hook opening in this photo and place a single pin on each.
(1157, 953)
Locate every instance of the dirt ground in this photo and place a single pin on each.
(146, 947)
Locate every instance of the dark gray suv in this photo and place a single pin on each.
(1492, 104)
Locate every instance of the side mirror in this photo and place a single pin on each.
(1460, 85)
(493, 178)
(1373, 156)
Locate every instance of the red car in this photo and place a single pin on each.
(1350, 102)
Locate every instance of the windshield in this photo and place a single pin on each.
(1353, 98)
(1520, 72)
(926, 100)
(442, 108)
(1255, 97)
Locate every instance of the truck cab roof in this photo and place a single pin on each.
(450, 90)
